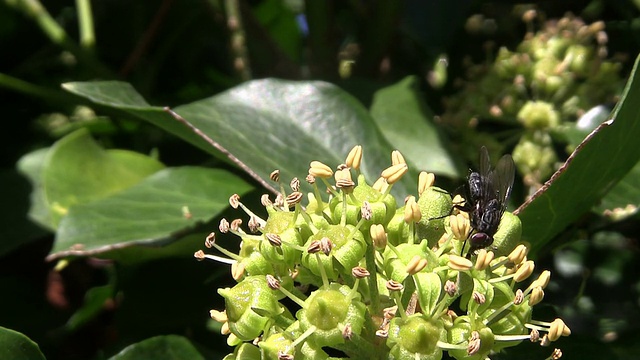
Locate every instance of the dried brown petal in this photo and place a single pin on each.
(224, 226)
(274, 239)
(264, 200)
(295, 184)
(310, 179)
(393, 285)
(234, 201)
(275, 176)
(294, 198)
(450, 288)
(366, 210)
(359, 272)
(210, 240)
(272, 282)
(235, 224)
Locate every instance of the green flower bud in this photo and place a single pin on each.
(538, 115)
(463, 331)
(415, 337)
(382, 209)
(429, 286)
(534, 155)
(282, 254)
(581, 57)
(434, 203)
(254, 262)
(397, 229)
(244, 351)
(396, 267)
(348, 249)
(271, 345)
(250, 304)
(508, 234)
(330, 310)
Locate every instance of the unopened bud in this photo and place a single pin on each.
(378, 236)
(416, 264)
(483, 259)
(542, 280)
(537, 294)
(459, 263)
(354, 158)
(219, 316)
(393, 173)
(517, 255)
(397, 158)
(320, 170)
(425, 180)
(380, 185)
(524, 271)
(412, 211)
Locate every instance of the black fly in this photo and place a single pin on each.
(487, 192)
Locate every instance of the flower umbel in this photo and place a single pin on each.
(373, 279)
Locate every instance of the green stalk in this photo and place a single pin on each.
(21, 86)
(374, 295)
(85, 17)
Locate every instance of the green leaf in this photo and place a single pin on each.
(623, 194)
(94, 303)
(170, 347)
(77, 170)
(267, 124)
(30, 165)
(16, 346)
(595, 168)
(152, 212)
(280, 22)
(406, 122)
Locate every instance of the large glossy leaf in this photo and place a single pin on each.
(14, 345)
(266, 124)
(594, 168)
(77, 170)
(169, 347)
(406, 122)
(152, 212)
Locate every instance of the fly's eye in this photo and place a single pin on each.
(478, 239)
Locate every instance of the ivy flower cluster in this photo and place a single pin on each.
(550, 80)
(367, 278)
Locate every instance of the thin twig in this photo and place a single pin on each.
(85, 22)
(147, 38)
(238, 39)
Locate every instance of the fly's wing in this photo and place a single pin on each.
(502, 178)
(485, 163)
(486, 182)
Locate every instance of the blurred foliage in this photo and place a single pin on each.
(381, 74)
